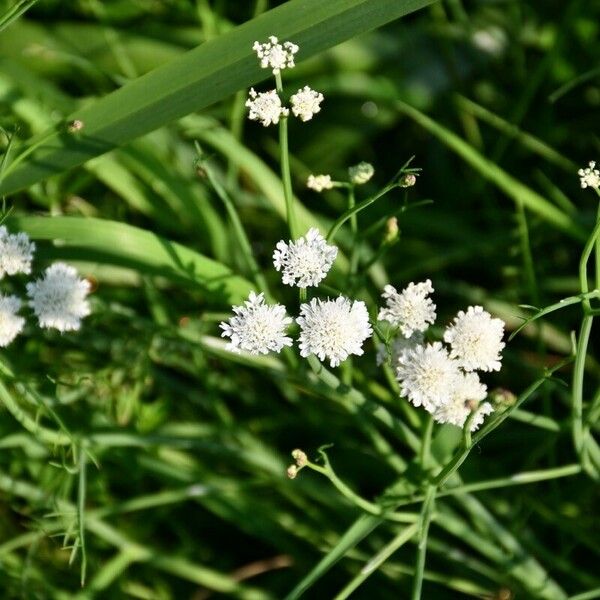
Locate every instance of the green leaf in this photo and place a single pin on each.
(109, 242)
(205, 75)
(14, 12)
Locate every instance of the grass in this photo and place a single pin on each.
(141, 459)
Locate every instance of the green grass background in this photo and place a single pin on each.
(189, 497)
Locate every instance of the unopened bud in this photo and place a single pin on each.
(361, 173)
(292, 471)
(300, 457)
(408, 180)
(75, 126)
(503, 397)
(391, 230)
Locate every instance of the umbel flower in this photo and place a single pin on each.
(466, 396)
(590, 176)
(276, 56)
(256, 327)
(333, 329)
(306, 261)
(410, 310)
(318, 183)
(361, 173)
(265, 107)
(306, 103)
(16, 253)
(10, 323)
(59, 299)
(427, 375)
(476, 340)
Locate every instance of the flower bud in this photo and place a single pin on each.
(300, 457)
(408, 180)
(391, 230)
(361, 173)
(292, 471)
(75, 126)
(502, 397)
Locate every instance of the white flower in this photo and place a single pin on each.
(16, 253)
(466, 396)
(333, 329)
(256, 327)
(306, 103)
(399, 345)
(590, 176)
(319, 182)
(411, 310)
(274, 55)
(10, 323)
(361, 173)
(265, 107)
(427, 375)
(59, 298)
(306, 261)
(476, 340)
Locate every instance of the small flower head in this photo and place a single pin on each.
(306, 261)
(408, 180)
(10, 323)
(16, 253)
(275, 56)
(265, 107)
(306, 103)
(411, 310)
(427, 375)
(361, 173)
(318, 183)
(256, 327)
(590, 176)
(333, 329)
(476, 340)
(59, 299)
(466, 396)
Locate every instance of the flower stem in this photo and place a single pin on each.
(426, 514)
(285, 168)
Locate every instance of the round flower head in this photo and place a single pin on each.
(265, 107)
(590, 176)
(59, 299)
(256, 327)
(333, 329)
(275, 56)
(306, 103)
(306, 261)
(427, 375)
(16, 253)
(476, 340)
(411, 310)
(10, 323)
(399, 345)
(319, 182)
(361, 173)
(466, 396)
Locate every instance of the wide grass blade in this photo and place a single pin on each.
(205, 75)
(109, 242)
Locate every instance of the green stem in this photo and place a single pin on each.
(426, 514)
(285, 168)
(81, 509)
(425, 450)
(371, 567)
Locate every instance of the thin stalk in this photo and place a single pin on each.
(371, 567)
(426, 515)
(285, 168)
(81, 509)
(239, 231)
(425, 450)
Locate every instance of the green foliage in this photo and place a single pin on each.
(141, 458)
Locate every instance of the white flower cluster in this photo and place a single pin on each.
(275, 56)
(330, 329)
(361, 173)
(441, 379)
(267, 107)
(590, 176)
(318, 183)
(58, 299)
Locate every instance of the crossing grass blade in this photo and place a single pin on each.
(109, 242)
(14, 12)
(201, 77)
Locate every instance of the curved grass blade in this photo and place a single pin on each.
(109, 242)
(201, 77)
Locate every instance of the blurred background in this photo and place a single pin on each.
(511, 94)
